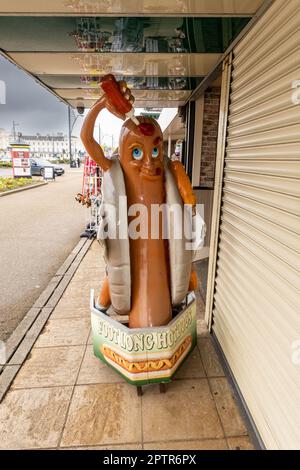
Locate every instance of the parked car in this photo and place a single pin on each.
(38, 165)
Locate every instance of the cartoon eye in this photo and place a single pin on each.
(155, 152)
(137, 153)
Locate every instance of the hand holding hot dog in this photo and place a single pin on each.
(117, 96)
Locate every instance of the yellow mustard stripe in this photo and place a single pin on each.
(150, 365)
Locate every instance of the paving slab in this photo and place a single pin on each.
(82, 289)
(93, 259)
(186, 412)
(33, 419)
(135, 446)
(50, 367)
(210, 358)
(90, 338)
(240, 443)
(103, 414)
(69, 303)
(63, 312)
(64, 332)
(204, 444)
(94, 371)
(228, 410)
(89, 274)
(6, 378)
(192, 368)
(202, 330)
(75, 302)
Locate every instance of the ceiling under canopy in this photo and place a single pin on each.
(162, 48)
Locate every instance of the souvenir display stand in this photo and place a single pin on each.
(90, 195)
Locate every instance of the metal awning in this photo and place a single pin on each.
(163, 48)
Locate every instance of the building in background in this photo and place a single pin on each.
(4, 142)
(50, 146)
(55, 146)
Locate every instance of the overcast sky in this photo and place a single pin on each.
(36, 110)
(29, 104)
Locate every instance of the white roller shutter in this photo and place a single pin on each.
(256, 300)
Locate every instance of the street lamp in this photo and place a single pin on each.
(71, 127)
(15, 124)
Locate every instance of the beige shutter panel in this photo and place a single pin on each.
(256, 305)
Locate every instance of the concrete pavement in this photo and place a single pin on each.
(59, 396)
(64, 397)
(38, 229)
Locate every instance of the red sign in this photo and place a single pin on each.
(21, 161)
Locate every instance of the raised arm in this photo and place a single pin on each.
(87, 132)
(87, 136)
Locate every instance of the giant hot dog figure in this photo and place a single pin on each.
(145, 276)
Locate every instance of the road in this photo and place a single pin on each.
(38, 230)
(6, 172)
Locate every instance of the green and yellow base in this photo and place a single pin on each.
(145, 355)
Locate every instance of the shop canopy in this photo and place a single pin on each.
(162, 48)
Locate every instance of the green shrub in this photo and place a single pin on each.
(7, 184)
(5, 164)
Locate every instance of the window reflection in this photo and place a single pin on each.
(175, 35)
(119, 34)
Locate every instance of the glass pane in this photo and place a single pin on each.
(138, 83)
(137, 103)
(140, 95)
(119, 34)
(132, 7)
(127, 64)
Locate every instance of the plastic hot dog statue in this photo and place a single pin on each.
(146, 276)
